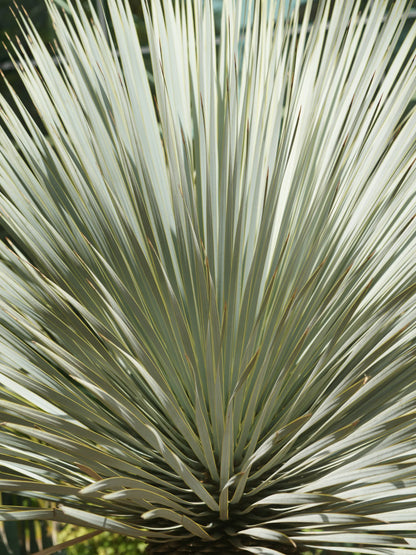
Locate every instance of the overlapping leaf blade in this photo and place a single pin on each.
(208, 294)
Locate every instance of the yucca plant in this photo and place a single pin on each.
(208, 288)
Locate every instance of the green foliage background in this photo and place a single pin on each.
(103, 544)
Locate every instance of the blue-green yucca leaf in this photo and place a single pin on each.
(208, 287)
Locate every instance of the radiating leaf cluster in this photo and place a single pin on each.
(208, 296)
